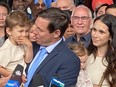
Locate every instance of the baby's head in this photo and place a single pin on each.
(80, 51)
(17, 18)
(31, 30)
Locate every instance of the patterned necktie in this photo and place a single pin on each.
(35, 65)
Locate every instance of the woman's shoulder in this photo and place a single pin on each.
(90, 58)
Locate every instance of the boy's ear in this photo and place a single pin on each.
(8, 31)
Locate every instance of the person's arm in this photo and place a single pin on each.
(4, 80)
(28, 52)
(28, 48)
(4, 72)
(95, 85)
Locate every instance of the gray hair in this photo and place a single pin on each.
(85, 7)
(71, 2)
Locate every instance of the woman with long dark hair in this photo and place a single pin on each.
(101, 64)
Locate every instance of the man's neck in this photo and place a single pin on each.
(78, 36)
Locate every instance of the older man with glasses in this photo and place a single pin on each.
(81, 20)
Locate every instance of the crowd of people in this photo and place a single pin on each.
(58, 39)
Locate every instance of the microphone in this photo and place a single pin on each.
(55, 82)
(16, 77)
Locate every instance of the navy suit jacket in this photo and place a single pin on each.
(61, 62)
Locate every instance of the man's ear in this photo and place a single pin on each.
(57, 33)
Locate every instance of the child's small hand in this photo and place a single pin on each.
(28, 48)
(24, 41)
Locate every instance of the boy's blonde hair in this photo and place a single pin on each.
(17, 17)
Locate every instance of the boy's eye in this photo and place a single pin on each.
(21, 31)
(27, 30)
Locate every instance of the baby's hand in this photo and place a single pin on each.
(25, 41)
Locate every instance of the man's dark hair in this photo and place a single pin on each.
(58, 19)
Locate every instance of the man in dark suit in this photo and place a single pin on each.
(59, 61)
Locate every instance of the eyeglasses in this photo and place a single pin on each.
(83, 18)
(38, 4)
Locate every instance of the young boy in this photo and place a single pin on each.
(81, 52)
(17, 49)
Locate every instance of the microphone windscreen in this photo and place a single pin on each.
(16, 77)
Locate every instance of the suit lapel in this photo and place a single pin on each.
(54, 52)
